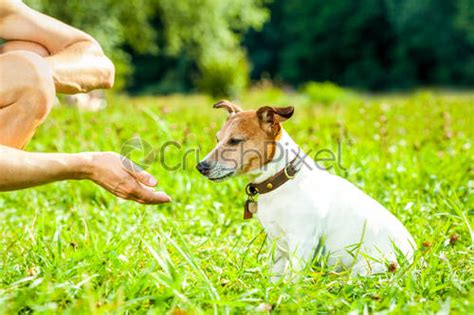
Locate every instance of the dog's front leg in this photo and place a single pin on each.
(301, 252)
(280, 262)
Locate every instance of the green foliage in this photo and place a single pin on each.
(327, 93)
(73, 248)
(207, 26)
(367, 44)
(208, 32)
(164, 46)
(223, 75)
(203, 35)
(465, 18)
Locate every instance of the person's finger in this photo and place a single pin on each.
(149, 196)
(138, 173)
(145, 178)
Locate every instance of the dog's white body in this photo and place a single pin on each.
(317, 209)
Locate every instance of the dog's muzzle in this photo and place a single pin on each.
(204, 167)
(214, 171)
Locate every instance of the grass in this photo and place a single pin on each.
(71, 247)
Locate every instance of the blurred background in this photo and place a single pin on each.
(222, 47)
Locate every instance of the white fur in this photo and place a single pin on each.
(317, 208)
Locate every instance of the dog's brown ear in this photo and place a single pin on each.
(271, 117)
(231, 107)
(269, 114)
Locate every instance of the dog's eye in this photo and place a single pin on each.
(235, 141)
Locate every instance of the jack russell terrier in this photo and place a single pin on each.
(302, 208)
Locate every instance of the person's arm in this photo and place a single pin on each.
(20, 169)
(76, 59)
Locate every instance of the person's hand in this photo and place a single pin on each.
(124, 179)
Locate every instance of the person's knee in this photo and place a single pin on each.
(34, 85)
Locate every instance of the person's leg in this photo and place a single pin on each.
(26, 96)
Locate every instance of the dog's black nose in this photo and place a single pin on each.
(203, 167)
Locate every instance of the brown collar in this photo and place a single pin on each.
(268, 185)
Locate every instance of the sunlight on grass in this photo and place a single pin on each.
(73, 247)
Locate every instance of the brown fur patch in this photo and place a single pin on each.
(259, 147)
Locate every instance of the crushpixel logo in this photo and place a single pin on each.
(139, 151)
(173, 156)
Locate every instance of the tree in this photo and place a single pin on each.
(204, 33)
(369, 44)
(347, 42)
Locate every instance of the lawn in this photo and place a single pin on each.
(71, 247)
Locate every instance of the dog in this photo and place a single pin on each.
(304, 210)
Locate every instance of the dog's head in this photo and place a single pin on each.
(246, 141)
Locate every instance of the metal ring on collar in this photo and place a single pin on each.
(250, 190)
(286, 172)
